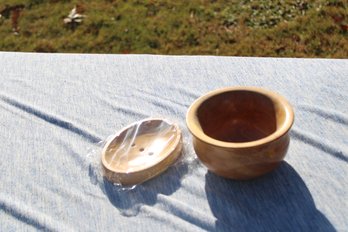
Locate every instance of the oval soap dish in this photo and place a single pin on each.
(141, 151)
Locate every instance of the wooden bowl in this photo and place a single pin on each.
(240, 132)
(141, 151)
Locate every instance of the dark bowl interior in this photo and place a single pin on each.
(239, 116)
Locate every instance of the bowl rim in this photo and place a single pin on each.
(197, 131)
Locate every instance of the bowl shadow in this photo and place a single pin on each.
(278, 201)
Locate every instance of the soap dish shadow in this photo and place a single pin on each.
(129, 202)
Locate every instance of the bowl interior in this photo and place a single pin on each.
(240, 116)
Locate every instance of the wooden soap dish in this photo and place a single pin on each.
(141, 151)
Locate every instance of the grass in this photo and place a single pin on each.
(282, 28)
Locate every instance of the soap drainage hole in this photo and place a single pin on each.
(133, 145)
(141, 149)
(150, 153)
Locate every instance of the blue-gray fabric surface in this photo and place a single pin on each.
(55, 107)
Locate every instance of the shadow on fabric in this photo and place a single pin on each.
(279, 201)
(130, 201)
